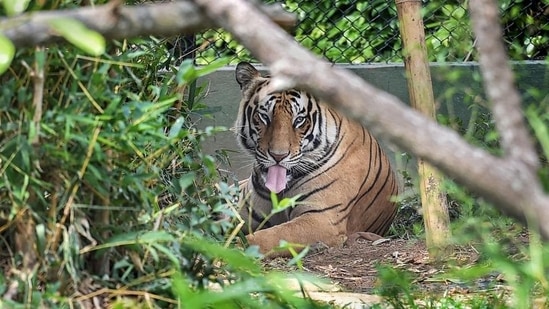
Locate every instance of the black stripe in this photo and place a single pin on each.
(310, 105)
(383, 225)
(294, 93)
(376, 195)
(356, 198)
(260, 85)
(247, 115)
(320, 210)
(376, 179)
(319, 120)
(307, 195)
(327, 152)
(327, 157)
(258, 218)
(259, 188)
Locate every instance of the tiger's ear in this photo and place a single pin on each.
(245, 73)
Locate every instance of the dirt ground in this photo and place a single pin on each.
(353, 267)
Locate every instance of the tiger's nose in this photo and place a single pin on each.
(277, 156)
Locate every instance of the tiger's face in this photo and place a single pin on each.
(281, 133)
(282, 130)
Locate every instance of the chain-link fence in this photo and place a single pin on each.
(366, 31)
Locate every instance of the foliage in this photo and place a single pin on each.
(348, 31)
(7, 52)
(86, 170)
(538, 118)
(355, 31)
(510, 272)
(105, 195)
(513, 264)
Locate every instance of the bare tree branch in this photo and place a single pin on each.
(507, 183)
(499, 83)
(115, 21)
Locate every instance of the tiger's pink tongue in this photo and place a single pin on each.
(276, 178)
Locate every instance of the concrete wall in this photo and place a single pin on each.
(454, 85)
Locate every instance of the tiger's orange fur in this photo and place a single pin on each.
(343, 177)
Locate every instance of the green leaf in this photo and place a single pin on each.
(233, 257)
(181, 287)
(274, 201)
(540, 129)
(186, 180)
(212, 67)
(186, 73)
(79, 35)
(283, 204)
(14, 7)
(291, 247)
(176, 127)
(7, 51)
(41, 237)
(237, 295)
(155, 237)
(133, 238)
(168, 253)
(297, 258)
(40, 58)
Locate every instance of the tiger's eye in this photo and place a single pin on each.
(264, 118)
(299, 121)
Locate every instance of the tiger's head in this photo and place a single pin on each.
(287, 132)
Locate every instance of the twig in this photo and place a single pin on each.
(470, 53)
(38, 95)
(54, 241)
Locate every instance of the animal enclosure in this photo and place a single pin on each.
(358, 31)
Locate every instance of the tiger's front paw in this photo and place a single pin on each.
(318, 247)
(373, 237)
(265, 244)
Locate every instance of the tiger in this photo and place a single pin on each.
(341, 179)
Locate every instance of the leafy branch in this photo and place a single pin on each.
(117, 21)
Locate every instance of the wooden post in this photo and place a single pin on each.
(433, 200)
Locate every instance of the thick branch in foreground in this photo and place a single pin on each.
(116, 21)
(509, 184)
(499, 83)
